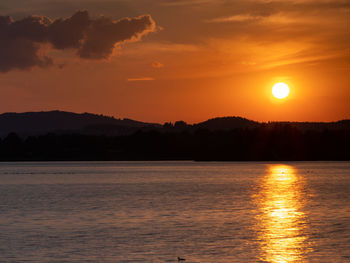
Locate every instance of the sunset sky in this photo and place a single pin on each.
(177, 59)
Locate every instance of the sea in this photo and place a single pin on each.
(159, 211)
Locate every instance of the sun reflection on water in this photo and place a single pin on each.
(281, 222)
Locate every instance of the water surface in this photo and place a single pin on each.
(156, 211)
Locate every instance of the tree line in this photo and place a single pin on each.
(266, 143)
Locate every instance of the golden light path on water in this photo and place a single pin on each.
(281, 224)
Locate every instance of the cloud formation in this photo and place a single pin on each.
(20, 41)
(257, 10)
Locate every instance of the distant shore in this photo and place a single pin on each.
(277, 143)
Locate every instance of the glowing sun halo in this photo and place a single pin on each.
(280, 90)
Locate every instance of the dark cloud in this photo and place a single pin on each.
(103, 33)
(68, 33)
(20, 41)
(20, 54)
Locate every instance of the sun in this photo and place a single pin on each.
(280, 90)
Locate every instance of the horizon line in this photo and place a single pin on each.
(190, 123)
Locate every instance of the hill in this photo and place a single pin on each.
(227, 123)
(37, 123)
(59, 136)
(61, 122)
(305, 126)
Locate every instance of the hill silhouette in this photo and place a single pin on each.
(58, 136)
(227, 123)
(61, 122)
(36, 123)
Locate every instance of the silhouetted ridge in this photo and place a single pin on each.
(32, 123)
(69, 136)
(227, 123)
(61, 122)
(304, 126)
(344, 123)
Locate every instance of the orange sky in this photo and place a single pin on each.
(203, 59)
